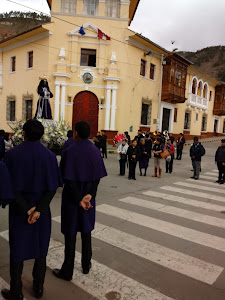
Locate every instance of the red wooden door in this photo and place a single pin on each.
(85, 108)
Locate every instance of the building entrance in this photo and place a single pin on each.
(85, 108)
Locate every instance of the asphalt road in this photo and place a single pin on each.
(155, 239)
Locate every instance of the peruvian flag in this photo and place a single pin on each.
(103, 36)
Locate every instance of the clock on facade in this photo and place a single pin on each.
(87, 77)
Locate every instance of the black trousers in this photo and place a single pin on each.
(179, 153)
(16, 270)
(104, 151)
(132, 168)
(221, 169)
(169, 166)
(70, 247)
(122, 166)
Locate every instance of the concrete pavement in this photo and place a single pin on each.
(154, 238)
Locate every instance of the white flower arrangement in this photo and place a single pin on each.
(54, 137)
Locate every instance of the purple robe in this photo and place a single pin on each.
(81, 163)
(34, 170)
(68, 143)
(6, 193)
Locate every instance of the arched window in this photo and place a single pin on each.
(68, 6)
(90, 7)
(112, 8)
(205, 91)
(200, 87)
(194, 86)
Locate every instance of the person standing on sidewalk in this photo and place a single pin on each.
(144, 157)
(196, 153)
(104, 144)
(122, 156)
(180, 146)
(169, 164)
(220, 161)
(157, 149)
(133, 155)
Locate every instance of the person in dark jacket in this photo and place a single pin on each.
(196, 153)
(220, 161)
(180, 146)
(144, 157)
(127, 137)
(157, 149)
(171, 138)
(2, 144)
(133, 155)
(148, 144)
(97, 140)
(139, 137)
(104, 144)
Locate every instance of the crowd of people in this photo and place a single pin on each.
(30, 177)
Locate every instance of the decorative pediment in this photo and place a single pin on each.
(88, 28)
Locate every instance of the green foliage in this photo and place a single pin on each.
(221, 75)
(24, 15)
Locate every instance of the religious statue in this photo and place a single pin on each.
(43, 106)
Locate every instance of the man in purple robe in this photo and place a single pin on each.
(70, 140)
(82, 168)
(35, 178)
(6, 193)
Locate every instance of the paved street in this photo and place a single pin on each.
(155, 239)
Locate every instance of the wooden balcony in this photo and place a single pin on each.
(172, 93)
(219, 109)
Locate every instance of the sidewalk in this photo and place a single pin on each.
(188, 143)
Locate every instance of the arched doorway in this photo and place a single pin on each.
(85, 108)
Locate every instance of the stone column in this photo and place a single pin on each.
(63, 100)
(107, 109)
(113, 111)
(57, 97)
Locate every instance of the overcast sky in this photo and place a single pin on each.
(192, 24)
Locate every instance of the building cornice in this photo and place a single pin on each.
(65, 75)
(141, 46)
(26, 41)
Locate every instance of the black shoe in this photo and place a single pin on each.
(145, 174)
(196, 178)
(86, 271)
(221, 182)
(166, 171)
(38, 292)
(218, 181)
(6, 294)
(134, 178)
(58, 274)
(192, 177)
(140, 174)
(129, 178)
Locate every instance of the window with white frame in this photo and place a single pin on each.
(90, 7)
(145, 114)
(112, 8)
(13, 64)
(152, 71)
(68, 6)
(204, 123)
(143, 68)
(11, 109)
(187, 121)
(30, 60)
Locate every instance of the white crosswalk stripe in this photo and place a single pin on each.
(166, 257)
(101, 280)
(212, 174)
(188, 234)
(207, 183)
(202, 218)
(208, 177)
(188, 201)
(200, 187)
(193, 193)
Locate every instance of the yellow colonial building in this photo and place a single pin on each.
(102, 72)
